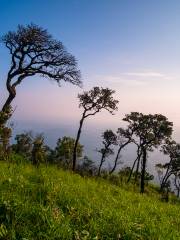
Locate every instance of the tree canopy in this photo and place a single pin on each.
(34, 51)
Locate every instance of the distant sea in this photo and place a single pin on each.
(91, 140)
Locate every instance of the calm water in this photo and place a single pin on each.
(91, 139)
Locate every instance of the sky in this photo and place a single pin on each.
(131, 46)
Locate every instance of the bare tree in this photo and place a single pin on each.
(93, 102)
(34, 51)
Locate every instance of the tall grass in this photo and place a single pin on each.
(48, 203)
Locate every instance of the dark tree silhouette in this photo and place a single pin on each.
(172, 149)
(124, 137)
(149, 132)
(34, 51)
(109, 139)
(177, 183)
(93, 102)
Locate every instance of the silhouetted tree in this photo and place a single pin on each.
(172, 149)
(109, 139)
(149, 132)
(177, 183)
(93, 102)
(124, 137)
(34, 52)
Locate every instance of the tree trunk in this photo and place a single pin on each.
(129, 178)
(165, 178)
(137, 159)
(116, 160)
(76, 144)
(101, 163)
(137, 167)
(12, 95)
(143, 169)
(117, 157)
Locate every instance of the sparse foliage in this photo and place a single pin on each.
(172, 149)
(92, 102)
(35, 52)
(124, 137)
(109, 139)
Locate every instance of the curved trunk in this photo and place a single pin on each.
(116, 160)
(101, 163)
(165, 178)
(76, 144)
(143, 169)
(137, 159)
(137, 167)
(117, 157)
(12, 95)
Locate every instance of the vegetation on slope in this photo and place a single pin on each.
(48, 203)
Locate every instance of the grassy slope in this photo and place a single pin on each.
(49, 203)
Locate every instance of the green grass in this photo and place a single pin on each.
(48, 203)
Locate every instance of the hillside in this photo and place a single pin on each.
(48, 203)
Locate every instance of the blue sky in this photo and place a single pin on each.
(132, 46)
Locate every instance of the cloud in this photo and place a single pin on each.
(146, 74)
(135, 78)
(124, 80)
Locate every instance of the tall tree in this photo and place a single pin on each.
(93, 102)
(149, 132)
(109, 139)
(35, 52)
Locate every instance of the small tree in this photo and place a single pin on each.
(109, 139)
(93, 102)
(24, 144)
(172, 149)
(34, 52)
(149, 132)
(124, 137)
(87, 167)
(64, 151)
(38, 151)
